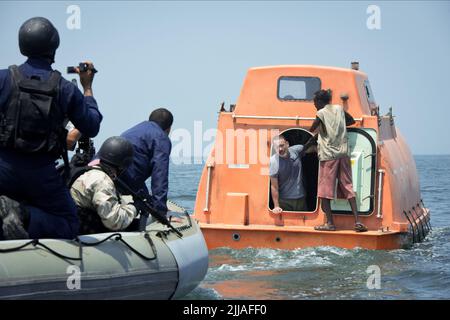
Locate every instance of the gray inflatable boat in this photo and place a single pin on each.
(155, 264)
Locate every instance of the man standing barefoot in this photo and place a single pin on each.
(332, 120)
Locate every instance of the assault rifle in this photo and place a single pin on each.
(145, 209)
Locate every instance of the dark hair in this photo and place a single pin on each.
(323, 96)
(162, 117)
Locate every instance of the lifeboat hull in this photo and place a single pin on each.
(282, 237)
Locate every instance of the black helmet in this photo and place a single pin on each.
(117, 152)
(38, 38)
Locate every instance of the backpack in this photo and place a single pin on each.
(32, 121)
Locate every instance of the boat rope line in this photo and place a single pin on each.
(118, 237)
(114, 236)
(36, 243)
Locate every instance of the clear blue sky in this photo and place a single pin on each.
(190, 56)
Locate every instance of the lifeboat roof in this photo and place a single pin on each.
(261, 92)
(306, 68)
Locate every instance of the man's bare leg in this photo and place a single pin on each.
(326, 207)
(359, 227)
(353, 206)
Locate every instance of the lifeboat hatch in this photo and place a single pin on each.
(362, 150)
(310, 168)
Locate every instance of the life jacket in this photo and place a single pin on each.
(32, 121)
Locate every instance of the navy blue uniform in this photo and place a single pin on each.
(152, 148)
(32, 178)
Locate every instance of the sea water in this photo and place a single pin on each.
(422, 272)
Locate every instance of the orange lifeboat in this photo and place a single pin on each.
(234, 203)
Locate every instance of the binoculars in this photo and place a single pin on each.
(83, 68)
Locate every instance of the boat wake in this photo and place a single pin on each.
(326, 272)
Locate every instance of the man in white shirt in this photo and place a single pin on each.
(332, 122)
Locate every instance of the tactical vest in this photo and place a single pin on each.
(32, 121)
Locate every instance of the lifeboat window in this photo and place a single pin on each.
(298, 88)
(369, 92)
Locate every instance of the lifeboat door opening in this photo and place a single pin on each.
(310, 168)
(362, 150)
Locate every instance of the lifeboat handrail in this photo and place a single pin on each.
(208, 186)
(380, 192)
(236, 116)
